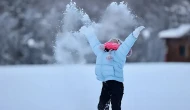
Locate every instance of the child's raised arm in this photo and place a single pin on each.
(92, 39)
(125, 47)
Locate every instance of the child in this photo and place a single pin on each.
(110, 61)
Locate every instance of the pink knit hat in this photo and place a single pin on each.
(110, 45)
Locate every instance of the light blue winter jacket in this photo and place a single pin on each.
(110, 69)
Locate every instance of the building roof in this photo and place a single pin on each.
(175, 32)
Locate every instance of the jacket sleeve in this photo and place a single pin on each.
(95, 44)
(125, 47)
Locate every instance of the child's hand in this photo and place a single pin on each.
(137, 31)
(87, 31)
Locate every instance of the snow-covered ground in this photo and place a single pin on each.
(161, 86)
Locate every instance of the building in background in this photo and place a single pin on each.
(177, 43)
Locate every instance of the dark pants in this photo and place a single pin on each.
(112, 91)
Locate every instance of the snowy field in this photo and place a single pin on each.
(161, 86)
